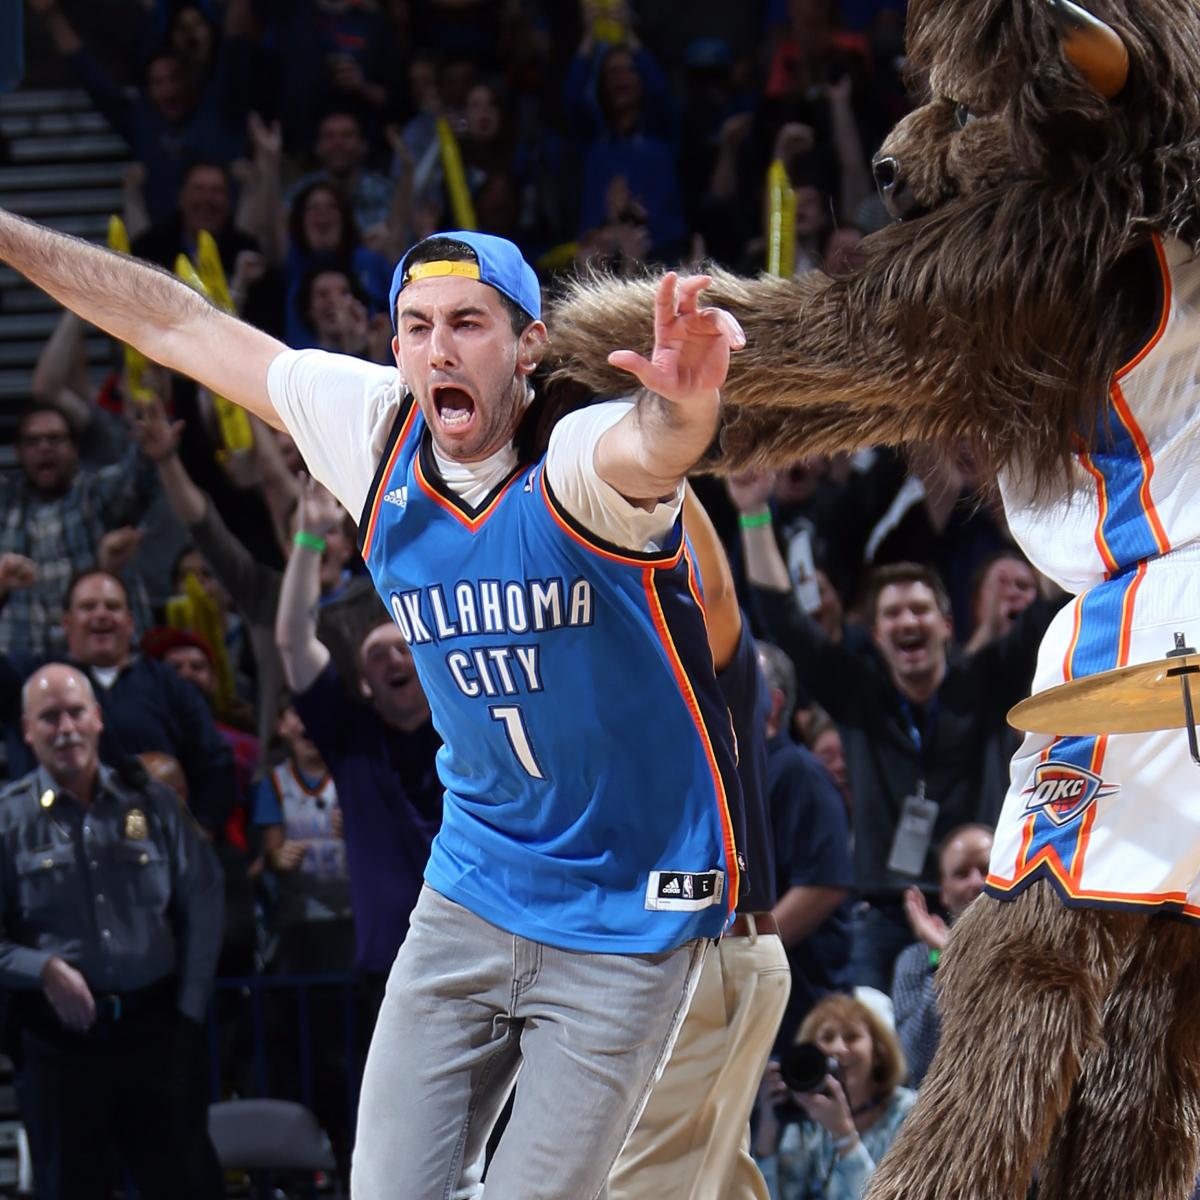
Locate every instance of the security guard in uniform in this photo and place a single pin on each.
(110, 927)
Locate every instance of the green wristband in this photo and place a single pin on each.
(309, 541)
(754, 520)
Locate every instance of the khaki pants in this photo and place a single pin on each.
(692, 1142)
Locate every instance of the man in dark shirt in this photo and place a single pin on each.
(146, 705)
(110, 926)
(926, 754)
(205, 204)
(813, 868)
(380, 754)
(693, 1136)
(54, 515)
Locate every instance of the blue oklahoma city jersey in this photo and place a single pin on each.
(587, 758)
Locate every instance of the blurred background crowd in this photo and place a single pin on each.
(146, 529)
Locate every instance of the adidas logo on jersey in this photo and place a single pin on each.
(398, 495)
(684, 891)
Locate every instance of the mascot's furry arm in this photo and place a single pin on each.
(997, 311)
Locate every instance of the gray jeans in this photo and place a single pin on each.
(468, 1004)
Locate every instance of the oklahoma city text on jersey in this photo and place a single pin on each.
(471, 607)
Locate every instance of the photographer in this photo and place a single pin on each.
(821, 1136)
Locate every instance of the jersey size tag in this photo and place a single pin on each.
(684, 891)
(914, 833)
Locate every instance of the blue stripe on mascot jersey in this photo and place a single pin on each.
(591, 790)
(1067, 784)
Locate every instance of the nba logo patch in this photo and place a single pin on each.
(1064, 791)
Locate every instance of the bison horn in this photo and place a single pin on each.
(1092, 47)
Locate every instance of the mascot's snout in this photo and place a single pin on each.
(893, 188)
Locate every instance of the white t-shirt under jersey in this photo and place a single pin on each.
(340, 411)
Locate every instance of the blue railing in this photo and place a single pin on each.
(253, 988)
(264, 1040)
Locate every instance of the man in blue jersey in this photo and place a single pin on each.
(586, 853)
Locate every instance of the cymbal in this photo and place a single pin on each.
(1137, 699)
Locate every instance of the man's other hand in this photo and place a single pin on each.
(69, 995)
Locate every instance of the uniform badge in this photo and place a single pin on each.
(135, 825)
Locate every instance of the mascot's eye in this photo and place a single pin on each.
(963, 116)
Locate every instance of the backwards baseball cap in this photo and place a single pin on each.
(497, 262)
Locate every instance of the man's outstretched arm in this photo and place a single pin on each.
(144, 306)
(647, 453)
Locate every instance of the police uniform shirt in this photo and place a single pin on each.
(126, 890)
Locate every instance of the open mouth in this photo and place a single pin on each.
(911, 645)
(455, 407)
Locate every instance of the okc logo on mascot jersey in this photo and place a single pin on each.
(1064, 792)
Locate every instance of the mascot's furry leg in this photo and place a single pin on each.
(1022, 991)
(1133, 1124)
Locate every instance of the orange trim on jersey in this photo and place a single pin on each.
(1139, 899)
(1143, 448)
(1124, 637)
(666, 561)
(472, 523)
(308, 791)
(1165, 270)
(1031, 820)
(383, 479)
(1085, 826)
(1106, 555)
(689, 696)
(1073, 643)
(693, 575)
(698, 596)
(1027, 831)
(1127, 602)
(1049, 854)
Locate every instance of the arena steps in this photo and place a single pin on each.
(63, 167)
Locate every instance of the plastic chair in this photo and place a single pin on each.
(272, 1136)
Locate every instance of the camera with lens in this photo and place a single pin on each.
(804, 1068)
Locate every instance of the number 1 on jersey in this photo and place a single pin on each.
(513, 720)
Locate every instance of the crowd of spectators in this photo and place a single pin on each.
(216, 599)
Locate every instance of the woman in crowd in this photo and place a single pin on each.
(322, 232)
(847, 1125)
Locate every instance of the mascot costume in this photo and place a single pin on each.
(1040, 299)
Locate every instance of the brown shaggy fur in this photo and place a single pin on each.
(997, 319)
(1070, 1039)
(1001, 315)
(1133, 1124)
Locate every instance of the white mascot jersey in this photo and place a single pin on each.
(1114, 821)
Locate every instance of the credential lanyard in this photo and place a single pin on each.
(919, 735)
